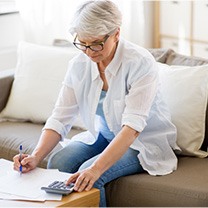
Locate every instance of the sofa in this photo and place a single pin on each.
(185, 187)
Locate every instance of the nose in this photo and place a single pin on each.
(89, 52)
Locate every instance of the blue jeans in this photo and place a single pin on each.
(78, 156)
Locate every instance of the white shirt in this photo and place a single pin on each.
(133, 98)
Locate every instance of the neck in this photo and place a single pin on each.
(103, 64)
(102, 71)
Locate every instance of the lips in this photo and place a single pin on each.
(93, 57)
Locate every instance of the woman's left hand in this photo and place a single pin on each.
(85, 179)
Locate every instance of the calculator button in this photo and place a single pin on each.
(55, 182)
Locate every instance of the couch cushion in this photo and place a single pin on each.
(13, 134)
(185, 90)
(161, 54)
(182, 60)
(185, 187)
(38, 78)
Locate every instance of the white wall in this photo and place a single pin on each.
(11, 32)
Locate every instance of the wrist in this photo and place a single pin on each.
(37, 157)
(97, 168)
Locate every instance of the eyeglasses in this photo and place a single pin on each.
(94, 47)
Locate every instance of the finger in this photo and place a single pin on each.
(82, 182)
(78, 183)
(24, 156)
(26, 159)
(72, 178)
(26, 169)
(16, 163)
(16, 167)
(90, 185)
(83, 185)
(16, 159)
(27, 163)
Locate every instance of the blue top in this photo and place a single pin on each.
(101, 124)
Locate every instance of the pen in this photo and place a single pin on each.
(20, 158)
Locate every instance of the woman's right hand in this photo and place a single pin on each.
(28, 162)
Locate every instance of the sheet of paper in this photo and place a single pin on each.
(41, 198)
(28, 185)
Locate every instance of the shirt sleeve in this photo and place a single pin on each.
(64, 113)
(139, 100)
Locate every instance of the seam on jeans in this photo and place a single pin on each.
(104, 177)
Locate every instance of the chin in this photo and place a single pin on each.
(96, 59)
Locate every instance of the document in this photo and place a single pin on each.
(27, 186)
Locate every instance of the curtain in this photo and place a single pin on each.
(47, 20)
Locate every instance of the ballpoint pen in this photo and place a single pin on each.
(20, 158)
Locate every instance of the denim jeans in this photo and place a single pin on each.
(78, 156)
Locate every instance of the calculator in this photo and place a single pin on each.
(59, 187)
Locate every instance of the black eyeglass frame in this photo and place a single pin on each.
(90, 46)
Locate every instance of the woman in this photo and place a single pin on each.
(114, 85)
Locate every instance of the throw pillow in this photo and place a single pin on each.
(161, 54)
(185, 90)
(38, 78)
(183, 60)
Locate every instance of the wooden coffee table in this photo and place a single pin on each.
(84, 199)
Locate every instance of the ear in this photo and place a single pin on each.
(117, 35)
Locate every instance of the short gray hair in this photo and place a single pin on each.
(96, 18)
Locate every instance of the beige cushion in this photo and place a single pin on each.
(185, 90)
(185, 187)
(160, 54)
(38, 79)
(182, 60)
(15, 133)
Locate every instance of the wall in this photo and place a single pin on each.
(11, 32)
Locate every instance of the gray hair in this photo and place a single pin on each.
(96, 18)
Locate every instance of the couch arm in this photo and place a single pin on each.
(6, 80)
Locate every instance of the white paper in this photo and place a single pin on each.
(27, 186)
(43, 197)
